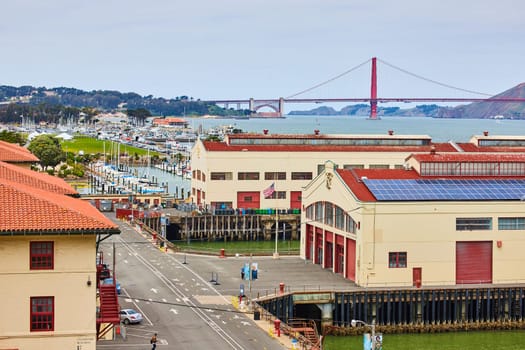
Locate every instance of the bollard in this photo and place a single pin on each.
(281, 288)
(277, 326)
(222, 255)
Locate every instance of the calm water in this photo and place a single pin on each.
(441, 130)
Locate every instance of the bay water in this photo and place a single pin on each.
(441, 130)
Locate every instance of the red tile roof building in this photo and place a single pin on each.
(48, 241)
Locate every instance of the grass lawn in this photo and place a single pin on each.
(93, 146)
(241, 247)
(500, 340)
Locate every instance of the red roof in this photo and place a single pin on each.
(353, 179)
(30, 210)
(224, 147)
(468, 157)
(35, 179)
(470, 147)
(13, 153)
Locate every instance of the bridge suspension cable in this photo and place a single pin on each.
(433, 81)
(329, 80)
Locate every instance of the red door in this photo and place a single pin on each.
(417, 274)
(248, 200)
(309, 242)
(350, 259)
(473, 262)
(295, 199)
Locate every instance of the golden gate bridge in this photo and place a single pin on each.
(278, 104)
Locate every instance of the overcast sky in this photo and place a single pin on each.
(211, 49)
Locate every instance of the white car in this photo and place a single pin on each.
(130, 316)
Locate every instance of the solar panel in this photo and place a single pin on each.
(446, 189)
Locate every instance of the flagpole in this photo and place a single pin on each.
(276, 253)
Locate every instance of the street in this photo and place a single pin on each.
(183, 307)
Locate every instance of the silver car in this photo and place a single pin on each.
(128, 316)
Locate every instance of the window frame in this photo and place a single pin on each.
(474, 224)
(301, 175)
(397, 260)
(248, 175)
(275, 175)
(511, 223)
(47, 258)
(40, 325)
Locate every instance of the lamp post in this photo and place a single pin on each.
(372, 326)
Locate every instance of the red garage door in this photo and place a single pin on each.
(248, 200)
(350, 259)
(473, 262)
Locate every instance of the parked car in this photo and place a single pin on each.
(130, 316)
(110, 281)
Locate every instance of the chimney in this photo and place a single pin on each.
(433, 149)
(265, 131)
(390, 132)
(316, 132)
(485, 133)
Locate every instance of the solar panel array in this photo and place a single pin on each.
(446, 189)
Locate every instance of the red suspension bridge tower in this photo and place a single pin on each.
(373, 90)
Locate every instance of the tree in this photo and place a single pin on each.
(12, 137)
(47, 149)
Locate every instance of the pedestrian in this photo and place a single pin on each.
(153, 341)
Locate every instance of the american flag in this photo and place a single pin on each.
(267, 192)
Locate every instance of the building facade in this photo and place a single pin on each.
(444, 219)
(236, 172)
(48, 243)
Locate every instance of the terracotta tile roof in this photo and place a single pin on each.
(12, 153)
(224, 147)
(35, 179)
(469, 157)
(28, 210)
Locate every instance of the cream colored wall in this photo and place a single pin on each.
(272, 162)
(75, 301)
(425, 230)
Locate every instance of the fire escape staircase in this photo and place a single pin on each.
(306, 332)
(109, 312)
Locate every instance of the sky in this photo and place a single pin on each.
(237, 49)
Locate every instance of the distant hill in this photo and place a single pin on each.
(107, 100)
(480, 110)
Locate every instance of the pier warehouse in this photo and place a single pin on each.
(234, 173)
(444, 219)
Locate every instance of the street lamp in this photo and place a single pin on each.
(372, 326)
